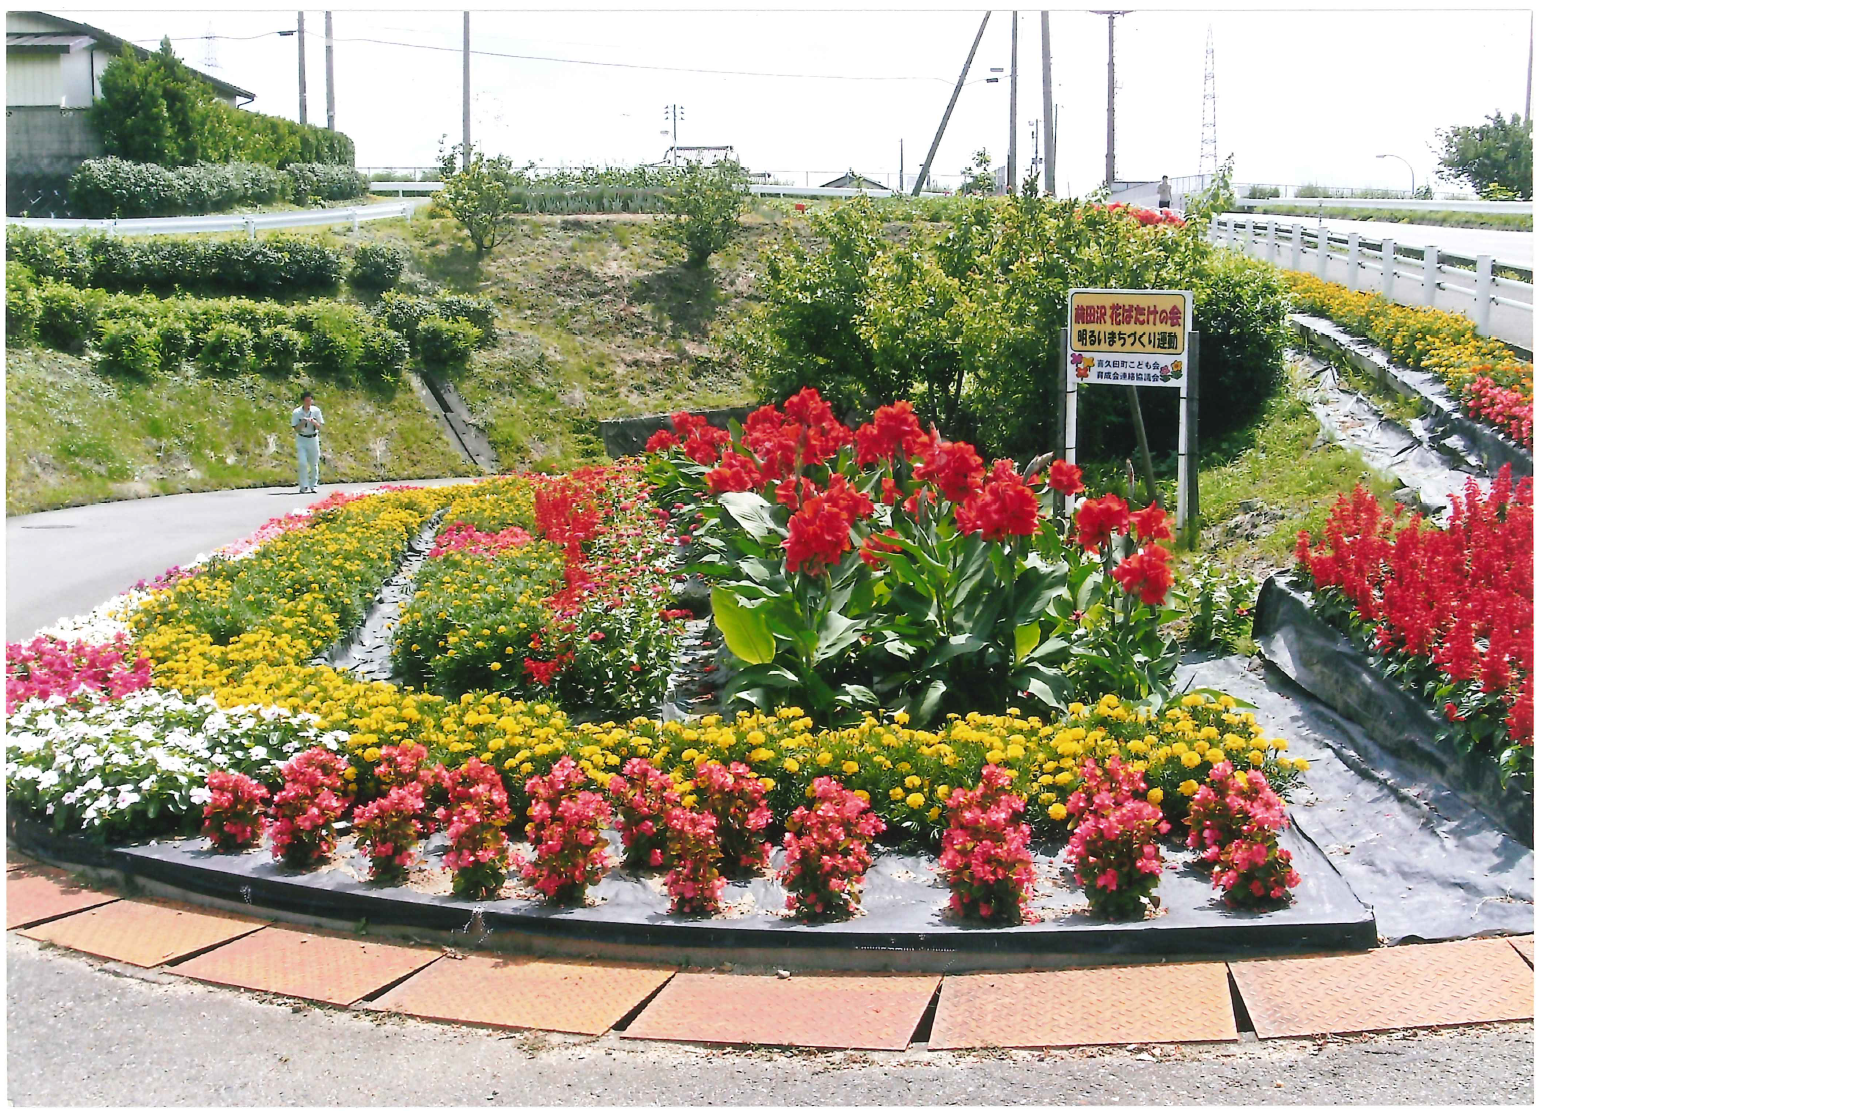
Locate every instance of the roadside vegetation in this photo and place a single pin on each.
(1500, 221)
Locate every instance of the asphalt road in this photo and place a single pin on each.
(64, 562)
(84, 1032)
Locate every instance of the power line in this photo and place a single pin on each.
(586, 61)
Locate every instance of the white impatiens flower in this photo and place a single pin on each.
(139, 766)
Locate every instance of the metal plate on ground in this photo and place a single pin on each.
(521, 993)
(1090, 1006)
(144, 933)
(1527, 946)
(35, 895)
(1451, 984)
(321, 966)
(819, 1011)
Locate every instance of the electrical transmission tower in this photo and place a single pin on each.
(1209, 115)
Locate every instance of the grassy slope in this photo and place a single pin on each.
(1279, 478)
(75, 436)
(597, 320)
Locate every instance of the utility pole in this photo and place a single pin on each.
(927, 166)
(330, 76)
(901, 170)
(673, 113)
(1529, 69)
(1108, 172)
(466, 86)
(1011, 148)
(1050, 115)
(302, 116)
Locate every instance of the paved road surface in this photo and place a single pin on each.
(66, 561)
(82, 1032)
(1504, 247)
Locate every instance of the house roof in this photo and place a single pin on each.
(75, 35)
(853, 181)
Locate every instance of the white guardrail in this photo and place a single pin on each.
(250, 222)
(1501, 307)
(1512, 208)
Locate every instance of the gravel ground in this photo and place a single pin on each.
(84, 1032)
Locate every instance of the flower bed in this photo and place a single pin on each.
(1491, 383)
(1451, 610)
(884, 568)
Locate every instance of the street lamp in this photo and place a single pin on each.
(1411, 191)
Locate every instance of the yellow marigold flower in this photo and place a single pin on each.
(1189, 787)
(863, 795)
(1257, 759)
(911, 782)
(1302, 764)
(1065, 778)
(933, 814)
(1058, 812)
(916, 801)
(1154, 796)
(942, 791)
(1189, 759)
(850, 767)
(791, 765)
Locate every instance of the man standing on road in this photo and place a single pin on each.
(307, 422)
(1166, 192)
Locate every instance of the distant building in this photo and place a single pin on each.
(854, 180)
(54, 69)
(705, 156)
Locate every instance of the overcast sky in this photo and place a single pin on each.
(1303, 96)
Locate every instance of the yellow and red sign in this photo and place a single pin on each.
(1130, 337)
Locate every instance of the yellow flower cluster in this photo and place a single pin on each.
(494, 504)
(1445, 344)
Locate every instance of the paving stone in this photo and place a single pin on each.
(1091, 1006)
(1449, 984)
(522, 993)
(144, 933)
(326, 967)
(821, 1011)
(35, 895)
(1527, 946)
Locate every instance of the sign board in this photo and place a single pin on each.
(1129, 337)
(1137, 337)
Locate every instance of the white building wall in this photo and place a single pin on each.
(34, 79)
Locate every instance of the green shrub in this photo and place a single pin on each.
(226, 349)
(383, 354)
(276, 350)
(66, 316)
(174, 338)
(706, 202)
(22, 304)
(112, 188)
(333, 340)
(375, 267)
(445, 344)
(276, 265)
(479, 198)
(49, 255)
(1239, 308)
(477, 311)
(323, 181)
(128, 347)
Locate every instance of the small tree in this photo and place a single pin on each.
(705, 203)
(1214, 199)
(1493, 157)
(479, 197)
(149, 110)
(980, 180)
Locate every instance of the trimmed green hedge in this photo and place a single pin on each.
(278, 265)
(112, 188)
(142, 334)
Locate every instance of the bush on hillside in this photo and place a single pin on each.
(479, 198)
(66, 317)
(403, 313)
(311, 182)
(375, 267)
(226, 349)
(129, 348)
(706, 202)
(445, 344)
(22, 304)
(276, 265)
(382, 356)
(276, 351)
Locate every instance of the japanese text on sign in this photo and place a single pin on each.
(1146, 328)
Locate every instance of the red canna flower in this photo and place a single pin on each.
(1004, 507)
(1147, 574)
(1100, 518)
(1066, 478)
(1151, 524)
(953, 466)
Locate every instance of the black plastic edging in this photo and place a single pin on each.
(1323, 661)
(1493, 449)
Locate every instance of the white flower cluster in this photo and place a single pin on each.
(101, 625)
(139, 766)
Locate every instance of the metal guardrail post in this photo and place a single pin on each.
(1387, 269)
(1432, 275)
(252, 232)
(1354, 260)
(1484, 292)
(355, 223)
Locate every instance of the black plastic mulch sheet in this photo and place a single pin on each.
(1430, 864)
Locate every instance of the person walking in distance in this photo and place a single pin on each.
(1166, 192)
(307, 422)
